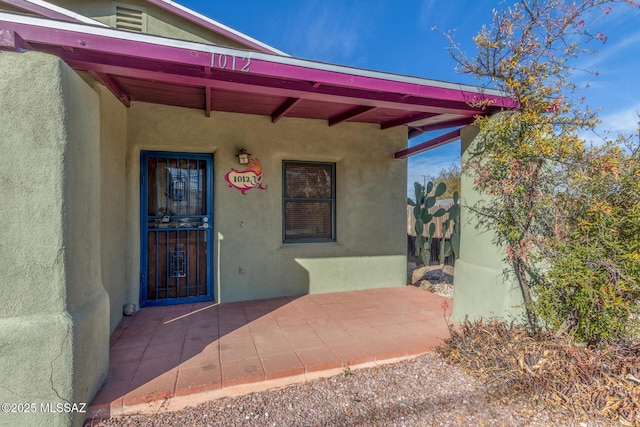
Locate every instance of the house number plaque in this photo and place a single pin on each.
(246, 179)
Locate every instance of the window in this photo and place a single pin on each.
(309, 201)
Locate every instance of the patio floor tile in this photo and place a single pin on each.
(286, 320)
(272, 343)
(242, 371)
(353, 323)
(148, 388)
(110, 397)
(193, 346)
(385, 348)
(198, 379)
(126, 342)
(123, 371)
(318, 359)
(164, 352)
(334, 335)
(352, 354)
(307, 340)
(169, 352)
(237, 352)
(124, 355)
(281, 365)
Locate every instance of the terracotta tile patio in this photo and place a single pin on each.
(165, 353)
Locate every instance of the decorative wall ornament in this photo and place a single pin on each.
(246, 179)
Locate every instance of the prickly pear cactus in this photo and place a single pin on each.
(447, 247)
(454, 215)
(425, 201)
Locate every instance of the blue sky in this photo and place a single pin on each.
(398, 37)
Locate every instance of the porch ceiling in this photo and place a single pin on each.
(152, 69)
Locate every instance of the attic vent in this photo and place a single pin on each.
(130, 18)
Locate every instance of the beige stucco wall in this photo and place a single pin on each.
(159, 21)
(53, 318)
(481, 287)
(113, 149)
(370, 250)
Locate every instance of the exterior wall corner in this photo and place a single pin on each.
(482, 288)
(54, 336)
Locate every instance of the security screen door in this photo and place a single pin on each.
(176, 222)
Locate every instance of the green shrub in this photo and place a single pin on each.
(592, 286)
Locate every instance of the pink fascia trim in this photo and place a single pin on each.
(9, 40)
(428, 145)
(344, 79)
(48, 10)
(210, 24)
(140, 48)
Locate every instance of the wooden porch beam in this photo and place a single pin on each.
(207, 97)
(283, 108)
(444, 125)
(351, 114)
(406, 119)
(429, 144)
(113, 87)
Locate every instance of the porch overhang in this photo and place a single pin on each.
(145, 68)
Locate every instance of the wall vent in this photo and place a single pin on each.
(130, 18)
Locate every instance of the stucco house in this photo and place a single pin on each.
(151, 155)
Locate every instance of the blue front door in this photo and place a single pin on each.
(176, 204)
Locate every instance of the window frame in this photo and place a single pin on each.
(286, 199)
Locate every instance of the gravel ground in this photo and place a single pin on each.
(424, 391)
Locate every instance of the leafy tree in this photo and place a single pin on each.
(545, 206)
(451, 178)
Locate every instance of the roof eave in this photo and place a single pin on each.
(109, 40)
(107, 52)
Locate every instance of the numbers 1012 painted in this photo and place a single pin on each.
(243, 178)
(230, 62)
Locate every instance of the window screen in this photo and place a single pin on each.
(309, 201)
